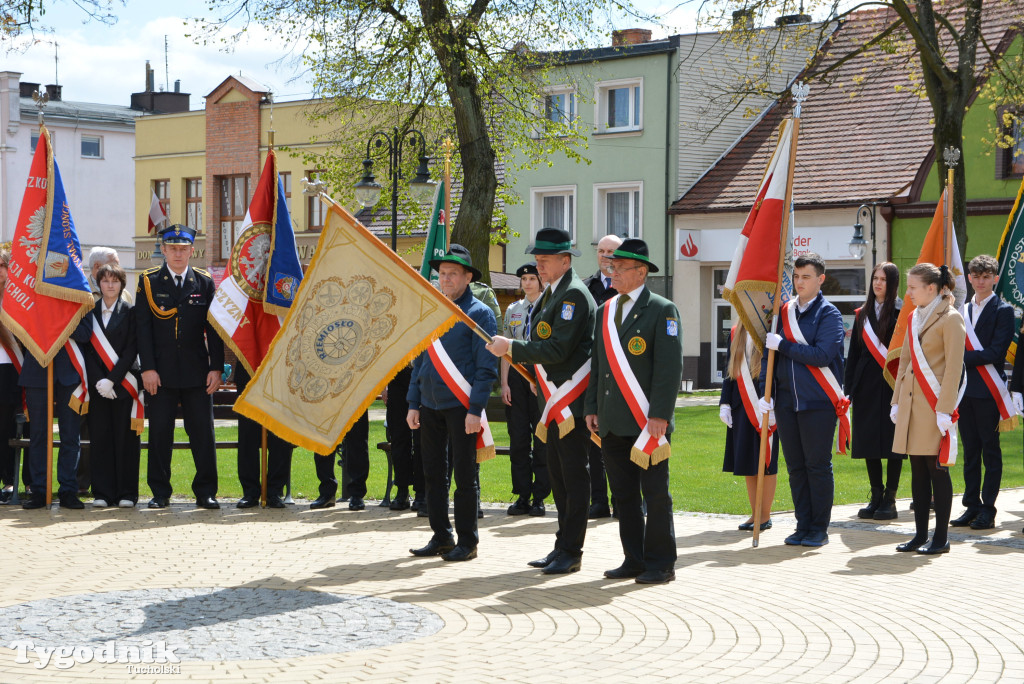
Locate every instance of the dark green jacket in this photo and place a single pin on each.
(656, 356)
(568, 314)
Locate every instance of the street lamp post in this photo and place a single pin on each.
(368, 189)
(858, 244)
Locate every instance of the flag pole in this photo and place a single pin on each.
(49, 434)
(263, 428)
(800, 92)
(448, 146)
(951, 156)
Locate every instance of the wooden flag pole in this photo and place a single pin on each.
(263, 468)
(49, 435)
(951, 156)
(800, 92)
(448, 146)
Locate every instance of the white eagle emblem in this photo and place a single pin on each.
(36, 224)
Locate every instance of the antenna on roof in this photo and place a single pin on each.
(56, 78)
(167, 78)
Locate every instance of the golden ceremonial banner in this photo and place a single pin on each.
(360, 315)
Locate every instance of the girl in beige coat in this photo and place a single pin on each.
(919, 429)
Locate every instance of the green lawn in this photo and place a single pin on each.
(696, 478)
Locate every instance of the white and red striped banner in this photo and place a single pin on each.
(109, 357)
(929, 385)
(461, 388)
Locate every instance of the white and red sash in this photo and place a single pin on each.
(879, 351)
(461, 388)
(79, 401)
(557, 399)
(646, 451)
(109, 358)
(826, 379)
(929, 385)
(996, 386)
(749, 398)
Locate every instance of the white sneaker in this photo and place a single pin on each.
(126, 503)
(99, 503)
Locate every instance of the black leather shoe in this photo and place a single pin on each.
(746, 527)
(434, 548)
(624, 571)
(322, 502)
(275, 502)
(207, 502)
(459, 553)
(356, 503)
(545, 561)
(71, 501)
(520, 507)
(158, 502)
(656, 577)
(964, 520)
(563, 565)
(422, 511)
(400, 502)
(984, 521)
(538, 510)
(34, 502)
(248, 502)
(416, 504)
(930, 550)
(910, 546)
(599, 510)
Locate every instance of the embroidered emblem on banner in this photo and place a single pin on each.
(637, 346)
(338, 333)
(568, 308)
(285, 286)
(672, 327)
(249, 259)
(543, 330)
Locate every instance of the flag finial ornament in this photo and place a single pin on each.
(951, 156)
(800, 91)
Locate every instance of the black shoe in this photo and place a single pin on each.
(766, 525)
(416, 504)
(746, 527)
(459, 553)
(797, 538)
(70, 501)
(563, 565)
(868, 512)
(275, 502)
(538, 510)
(964, 520)
(356, 503)
(5, 495)
(400, 502)
(545, 561)
(34, 502)
(158, 502)
(931, 550)
(520, 507)
(599, 510)
(479, 513)
(434, 548)
(422, 511)
(910, 546)
(984, 521)
(887, 508)
(248, 502)
(656, 577)
(815, 538)
(322, 502)
(207, 502)
(624, 571)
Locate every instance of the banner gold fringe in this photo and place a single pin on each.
(484, 453)
(1008, 425)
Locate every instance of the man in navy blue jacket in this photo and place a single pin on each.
(992, 319)
(445, 420)
(805, 414)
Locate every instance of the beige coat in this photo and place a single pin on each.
(942, 341)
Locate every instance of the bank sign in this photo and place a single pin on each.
(832, 243)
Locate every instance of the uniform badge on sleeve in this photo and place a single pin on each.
(568, 309)
(672, 327)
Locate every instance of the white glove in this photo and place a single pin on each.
(892, 413)
(944, 422)
(1018, 402)
(769, 408)
(106, 388)
(725, 414)
(772, 340)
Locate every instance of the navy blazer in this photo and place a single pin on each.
(995, 332)
(120, 332)
(34, 375)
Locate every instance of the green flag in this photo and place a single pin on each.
(1011, 268)
(435, 246)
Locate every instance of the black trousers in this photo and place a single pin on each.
(648, 542)
(68, 423)
(598, 480)
(444, 437)
(526, 452)
(115, 448)
(979, 432)
(568, 465)
(355, 449)
(806, 438)
(405, 442)
(197, 412)
(325, 474)
(8, 431)
(250, 442)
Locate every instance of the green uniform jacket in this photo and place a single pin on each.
(568, 321)
(652, 340)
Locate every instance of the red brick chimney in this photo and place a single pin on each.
(633, 36)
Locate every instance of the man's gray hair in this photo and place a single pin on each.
(102, 255)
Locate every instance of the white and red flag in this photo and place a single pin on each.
(157, 217)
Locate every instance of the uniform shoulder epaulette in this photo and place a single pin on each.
(202, 271)
(151, 271)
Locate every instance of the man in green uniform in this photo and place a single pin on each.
(630, 402)
(561, 336)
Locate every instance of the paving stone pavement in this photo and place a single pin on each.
(298, 595)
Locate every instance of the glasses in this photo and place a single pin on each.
(621, 269)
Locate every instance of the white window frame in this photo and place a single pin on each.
(99, 141)
(601, 191)
(537, 196)
(574, 106)
(601, 90)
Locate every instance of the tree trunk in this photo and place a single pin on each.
(949, 132)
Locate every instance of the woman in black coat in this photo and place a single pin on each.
(871, 394)
(114, 428)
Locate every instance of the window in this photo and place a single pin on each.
(1010, 159)
(34, 139)
(234, 198)
(162, 189)
(560, 106)
(286, 181)
(619, 106)
(618, 210)
(92, 146)
(316, 212)
(553, 207)
(194, 203)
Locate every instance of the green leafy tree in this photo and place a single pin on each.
(26, 17)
